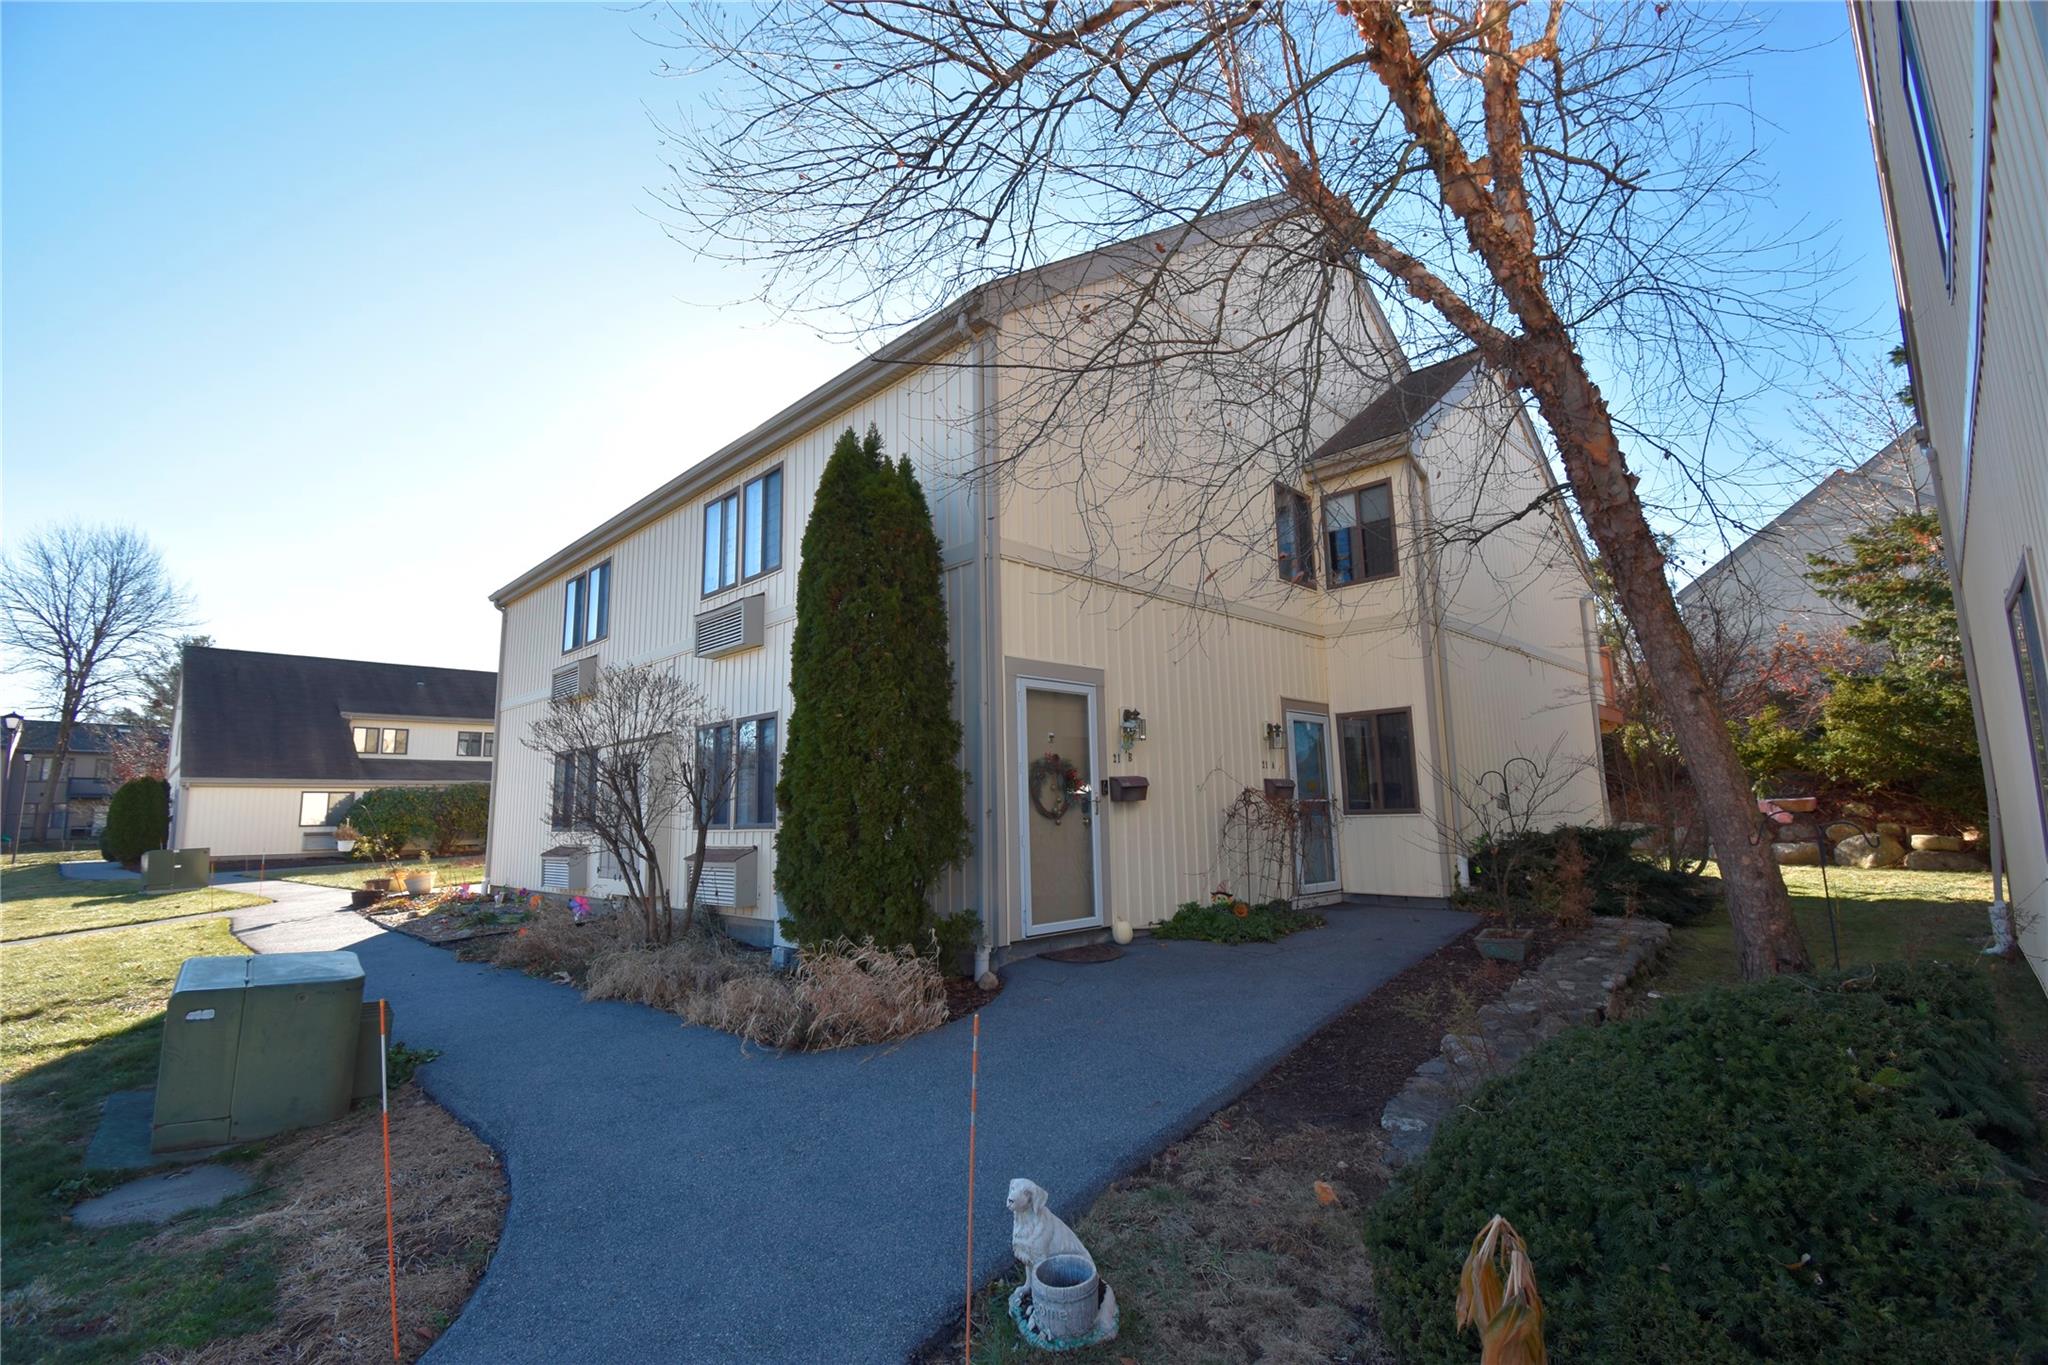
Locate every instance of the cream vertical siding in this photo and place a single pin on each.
(655, 599)
(1996, 521)
(234, 821)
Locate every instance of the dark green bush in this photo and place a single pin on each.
(1214, 922)
(1797, 1170)
(459, 814)
(138, 820)
(1621, 880)
(389, 820)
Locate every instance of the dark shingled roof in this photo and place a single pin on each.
(249, 715)
(87, 737)
(1400, 407)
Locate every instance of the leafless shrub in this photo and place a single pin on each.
(552, 941)
(1256, 851)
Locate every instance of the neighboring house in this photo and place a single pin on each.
(1958, 103)
(1759, 590)
(40, 810)
(1335, 641)
(268, 751)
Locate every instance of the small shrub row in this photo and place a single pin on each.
(1795, 1170)
(1222, 922)
(1621, 881)
(389, 820)
(839, 995)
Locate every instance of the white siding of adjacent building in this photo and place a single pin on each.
(1996, 517)
(656, 577)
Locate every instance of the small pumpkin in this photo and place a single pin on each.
(1240, 909)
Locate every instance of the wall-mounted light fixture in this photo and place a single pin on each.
(1131, 729)
(1276, 734)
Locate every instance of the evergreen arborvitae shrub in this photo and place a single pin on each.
(1622, 881)
(872, 797)
(138, 820)
(1801, 1169)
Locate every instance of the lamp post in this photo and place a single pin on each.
(14, 726)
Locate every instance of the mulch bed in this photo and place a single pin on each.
(444, 922)
(1344, 1076)
(963, 997)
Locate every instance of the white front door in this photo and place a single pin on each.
(1060, 839)
(1308, 763)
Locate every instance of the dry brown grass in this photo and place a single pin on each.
(844, 996)
(333, 1305)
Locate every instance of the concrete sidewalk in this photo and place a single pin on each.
(678, 1197)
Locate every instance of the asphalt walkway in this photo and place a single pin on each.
(679, 1198)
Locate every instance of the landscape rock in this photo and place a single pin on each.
(1937, 843)
(1796, 855)
(1581, 982)
(1870, 850)
(1891, 829)
(1945, 860)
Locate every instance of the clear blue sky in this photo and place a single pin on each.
(362, 309)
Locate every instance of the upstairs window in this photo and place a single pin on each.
(1358, 531)
(1927, 139)
(587, 607)
(1294, 537)
(490, 743)
(743, 533)
(1378, 753)
(370, 739)
(471, 744)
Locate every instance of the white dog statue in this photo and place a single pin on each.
(1036, 1232)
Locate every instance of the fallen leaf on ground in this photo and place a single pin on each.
(1324, 1193)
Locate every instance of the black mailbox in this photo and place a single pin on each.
(1128, 788)
(1279, 789)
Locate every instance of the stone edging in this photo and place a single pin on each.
(1582, 981)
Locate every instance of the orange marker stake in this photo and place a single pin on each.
(973, 1099)
(390, 1227)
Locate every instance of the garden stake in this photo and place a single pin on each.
(390, 1229)
(973, 1096)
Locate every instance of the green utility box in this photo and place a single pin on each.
(182, 869)
(255, 1046)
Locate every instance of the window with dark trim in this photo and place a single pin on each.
(1377, 753)
(743, 533)
(1927, 140)
(469, 743)
(490, 743)
(319, 810)
(2023, 618)
(395, 741)
(749, 750)
(573, 802)
(1358, 534)
(1294, 536)
(367, 738)
(587, 607)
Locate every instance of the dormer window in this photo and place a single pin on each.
(587, 607)
(1358, 529)
(378, 740)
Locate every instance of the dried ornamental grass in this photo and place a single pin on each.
(1507, 1310)
(861, 993)
(762, 1008)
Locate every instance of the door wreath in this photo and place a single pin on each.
(1053, 781)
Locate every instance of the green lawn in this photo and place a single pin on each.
(351, 876)
(1884, 914)
(79, 1019)
(37, 899)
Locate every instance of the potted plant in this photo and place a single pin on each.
(1495, 865)
(420, 880)
(1505, 940)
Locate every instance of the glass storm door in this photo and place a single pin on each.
(1308, 762)
(1061, 842)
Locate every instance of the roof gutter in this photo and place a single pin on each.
(936, 335)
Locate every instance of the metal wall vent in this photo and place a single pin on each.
(733, 627)
(729, 879)
(576, 680)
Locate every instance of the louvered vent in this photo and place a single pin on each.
(733, 627)
(563, 868)
(575, 680)
(729, 880)
(554, 874)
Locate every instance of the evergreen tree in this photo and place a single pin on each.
(138, 820)
(872, 797)
(1906, 727)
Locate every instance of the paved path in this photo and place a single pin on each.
(96, 870)
(677, 1198)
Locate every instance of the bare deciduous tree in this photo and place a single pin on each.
(628, 750)
(83, 609)
(1538, 183)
